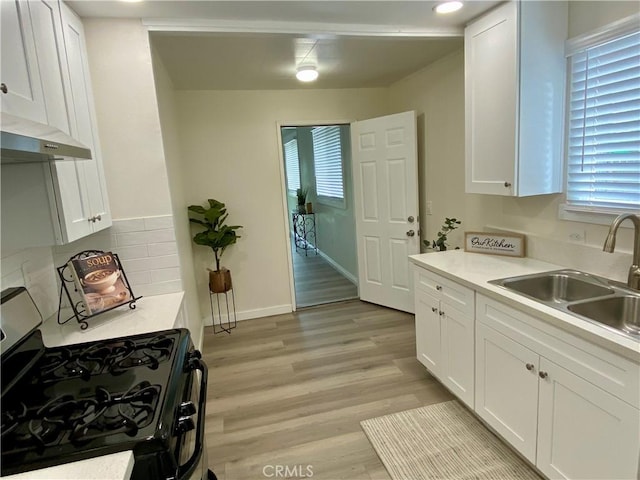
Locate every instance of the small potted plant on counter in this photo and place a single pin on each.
(440, 244)
(217, 236)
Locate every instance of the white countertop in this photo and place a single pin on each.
(116, 466)
(475, 270)
(154, 313)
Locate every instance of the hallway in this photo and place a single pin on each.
(317, 282)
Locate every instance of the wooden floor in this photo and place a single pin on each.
(290, 391)
(317, 282)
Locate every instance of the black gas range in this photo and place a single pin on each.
(145, 393)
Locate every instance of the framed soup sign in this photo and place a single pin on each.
(501, 243)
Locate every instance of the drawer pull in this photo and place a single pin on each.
(438, 287)
(529, 366)
(434, 309)
(542, 374)
(441, 313)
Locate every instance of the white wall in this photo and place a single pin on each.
(128, 121)
(437, 94)
(229, 148)
(166, 105)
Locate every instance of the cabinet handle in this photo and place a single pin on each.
(98, 218)
(3, 88)
(434, 309)
(441, 313)
(507, 184)
(529, 366)
(542, 374)
(438, 287)
(92, 219)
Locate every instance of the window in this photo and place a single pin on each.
(292, 165)
(603, 138)
(327, 161)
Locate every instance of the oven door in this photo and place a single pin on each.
(192, 455)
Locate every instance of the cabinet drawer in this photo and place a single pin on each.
(612, 373)
(449, 292)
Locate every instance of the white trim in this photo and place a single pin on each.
(345, 273)
(251, 314)
(285, 209)
(597, 217)
(313, 28)
(602, 35)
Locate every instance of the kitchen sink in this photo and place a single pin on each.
(558, 287)
(621, 313)
(589, 297)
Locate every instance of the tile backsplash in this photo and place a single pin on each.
(146, 247)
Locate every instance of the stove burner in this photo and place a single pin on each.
(66, 419)
(105, 357)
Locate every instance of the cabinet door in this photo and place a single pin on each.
(83, 128)
(491, 79)
(584, 432)
(71, 197)
(20, 73)
(428, 331)
(52, 62)
(457, 352)
(507, 388)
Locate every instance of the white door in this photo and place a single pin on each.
(385, 173)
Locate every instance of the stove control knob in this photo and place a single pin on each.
(186, 409)
(184, 425)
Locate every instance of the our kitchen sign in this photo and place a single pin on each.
(508, 244)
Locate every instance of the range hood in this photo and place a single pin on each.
(22, 141)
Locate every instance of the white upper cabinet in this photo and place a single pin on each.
(22, 93)
(514, 99)
(52, 61)
(84, 124)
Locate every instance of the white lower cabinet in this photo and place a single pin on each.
(583, 431)
(568, 426)
(444, 331)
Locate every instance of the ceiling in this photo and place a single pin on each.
(249, 45)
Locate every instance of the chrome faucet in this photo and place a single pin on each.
(633, 280)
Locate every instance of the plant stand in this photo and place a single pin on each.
(223, 311)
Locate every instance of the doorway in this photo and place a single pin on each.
(320, 212)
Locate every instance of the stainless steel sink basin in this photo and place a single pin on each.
(583, 295)
(557, 287)
(621, 313)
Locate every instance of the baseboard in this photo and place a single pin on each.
(251, 314)
(338, 267)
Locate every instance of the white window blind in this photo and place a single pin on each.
(603, 164)
(327, 155)
(292, 164)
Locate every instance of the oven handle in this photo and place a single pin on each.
(185, 471)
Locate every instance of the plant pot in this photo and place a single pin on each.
(309, 207)
(220, 280)
(302, 209)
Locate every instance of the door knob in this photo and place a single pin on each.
(410, 233)
(410, 219)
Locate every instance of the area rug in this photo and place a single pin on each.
(442, 441)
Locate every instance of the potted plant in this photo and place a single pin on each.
(217, 236)
(440, 244)
(301, 193)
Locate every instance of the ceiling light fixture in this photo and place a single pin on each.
(448, 7)
(307, 73)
